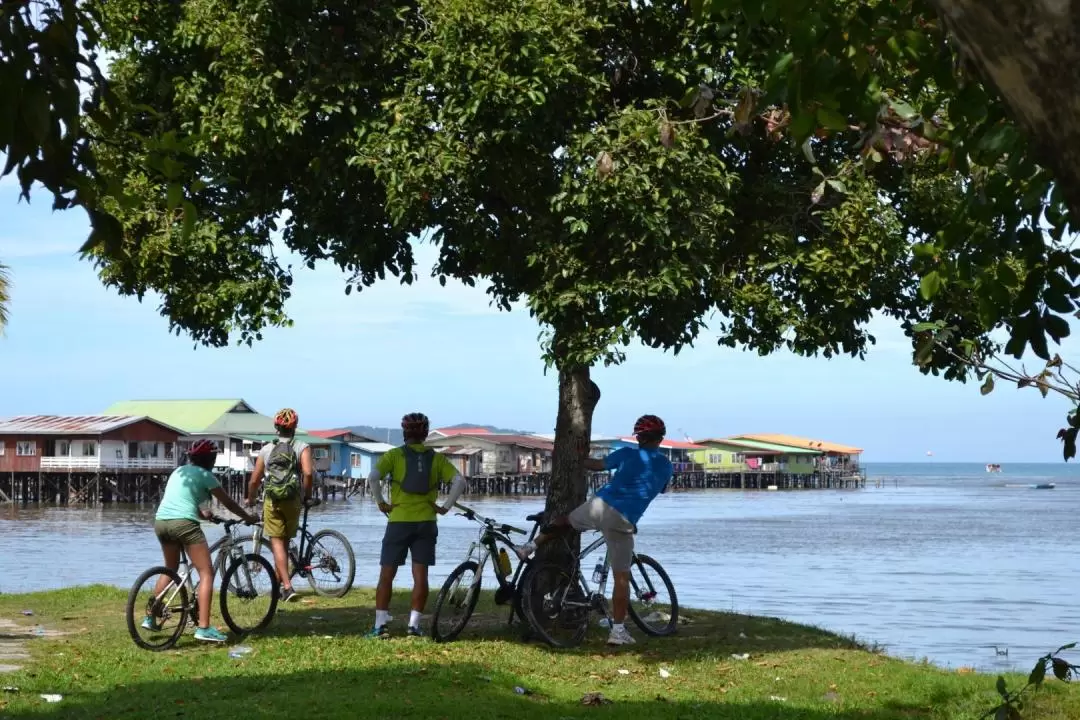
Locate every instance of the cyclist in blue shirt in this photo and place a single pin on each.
(638, 476)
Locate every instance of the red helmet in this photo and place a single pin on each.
(650, 425)
(415, 425)
(286, 419)
(203, 447)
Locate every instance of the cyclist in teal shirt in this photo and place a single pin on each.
(638, 476)
(176, 525)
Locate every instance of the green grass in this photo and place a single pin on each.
(324, 668)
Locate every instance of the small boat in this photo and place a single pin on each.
(1043, 486)
(993, 468)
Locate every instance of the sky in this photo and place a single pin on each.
(73, 347)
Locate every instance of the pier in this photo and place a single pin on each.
(64, 489)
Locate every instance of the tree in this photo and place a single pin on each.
(989, 252)
(543, 145)
(5, 295)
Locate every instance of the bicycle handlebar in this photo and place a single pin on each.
(470, 514)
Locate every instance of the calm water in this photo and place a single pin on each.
(941, 561)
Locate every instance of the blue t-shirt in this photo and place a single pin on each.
(188, 487)
(638, 477)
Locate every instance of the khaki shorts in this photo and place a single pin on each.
(281, 518)
(179, 532)
(618, 532)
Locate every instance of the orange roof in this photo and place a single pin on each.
(463, 431)
(795, 441)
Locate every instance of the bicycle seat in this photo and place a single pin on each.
(535, 517)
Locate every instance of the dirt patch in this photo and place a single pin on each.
(13, 637)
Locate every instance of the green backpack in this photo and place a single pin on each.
(282, 472)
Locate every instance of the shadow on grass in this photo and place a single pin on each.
(706, 635)
(401, 689)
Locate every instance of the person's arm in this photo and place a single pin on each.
(256, 479)
(595, 464)
(447, 471)
(383, 468)
(232, 506)
(307, 468)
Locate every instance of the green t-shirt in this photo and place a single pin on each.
(188, 487)
(412, 507)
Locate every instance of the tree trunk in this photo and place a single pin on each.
(1030, 52)
(578, 396)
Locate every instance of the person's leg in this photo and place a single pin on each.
(556, 525)
(170, 552)
(619, 538)
(199, 555)
(422, 551)
(394, 550)
(276, 527)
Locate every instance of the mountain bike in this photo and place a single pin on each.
(554, 597)
(248, 595)
(461, 590)
(325, 559)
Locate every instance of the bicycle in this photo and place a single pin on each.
(179, 599)
(456, 593)
(553, 598)
(316, 553)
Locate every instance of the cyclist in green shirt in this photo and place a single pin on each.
(415, 472)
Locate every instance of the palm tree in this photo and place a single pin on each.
(5, 295)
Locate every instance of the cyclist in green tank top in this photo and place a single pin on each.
(415, 472)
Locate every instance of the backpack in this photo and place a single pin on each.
(282, 472)
(417, 480)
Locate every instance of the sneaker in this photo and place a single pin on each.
(379, 633)
(210, 634)
(620, 636)
(415, 632)
(149, 623)
(289, 595)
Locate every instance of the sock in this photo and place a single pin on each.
(528, 548)
(618, 627)
(381, 618)
(414, 618)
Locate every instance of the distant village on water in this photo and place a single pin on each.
(126, 453)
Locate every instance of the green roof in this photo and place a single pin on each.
(301, 436)
(759, 445)
(218, 417)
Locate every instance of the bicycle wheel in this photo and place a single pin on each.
(161, 615)
(653, 605)
(554, 601)
(460, 592)
(249, 594)
(331, 564)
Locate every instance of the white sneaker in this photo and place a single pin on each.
(620, 636)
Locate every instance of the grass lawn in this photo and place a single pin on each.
(314, 662)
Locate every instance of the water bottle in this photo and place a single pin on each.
(504, 562)
(598, 573)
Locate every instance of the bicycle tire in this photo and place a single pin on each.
(444, 592)
(534, 614)
(673, 621)
(226, 579)
(350, 556)
(133, 599)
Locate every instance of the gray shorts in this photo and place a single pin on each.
(409, 538)
(618, 532)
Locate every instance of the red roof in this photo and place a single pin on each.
(670, 444)
(328, 434)
(526, 441)
(72, 424)
(463, 431)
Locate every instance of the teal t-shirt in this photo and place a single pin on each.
(188, 487)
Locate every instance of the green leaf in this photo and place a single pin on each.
(818, 193)
(174, 193)
(783, 63)
(904, 110)
(1002, 687)
(1038, 673)
(927, 326)
(930, 285)
(1062, 671)
(831, 119)
(190, 216)
(988, 384)
(837, 185)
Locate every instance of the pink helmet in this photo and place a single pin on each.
(203, 447)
